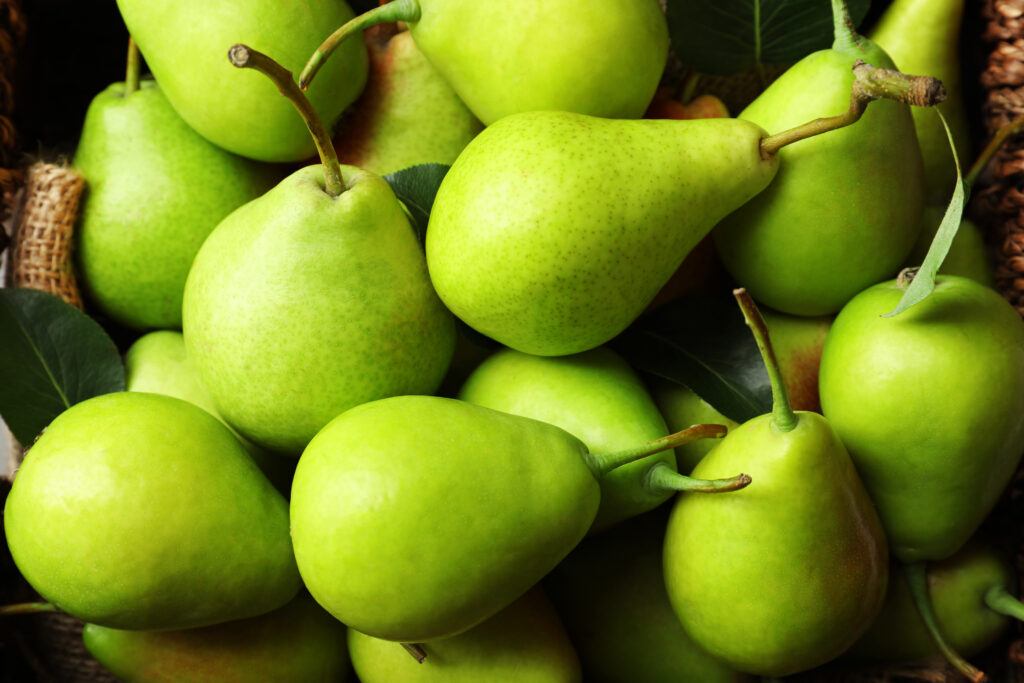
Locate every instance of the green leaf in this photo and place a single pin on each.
(705, 345)
(923, 282)
(725, 37)
(416, 187)
(51, 357)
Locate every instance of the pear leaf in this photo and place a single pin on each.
(52, 356)
(923, 282)
(705, 345)
(416, 187)
(725, 37)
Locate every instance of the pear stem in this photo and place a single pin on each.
(1000, 600)
(131, 76)
(416, 651)
(661, 478)
(244, 57)
(870, 83)
(846, 39)
(602, 464)
(783, 417)
(28, 608)
(917, 580)
(398, 10)
(1005, 131)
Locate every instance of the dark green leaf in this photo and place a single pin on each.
(923, 283)
(51, 357)
(725, 37)
(705, 345)
(417, 186)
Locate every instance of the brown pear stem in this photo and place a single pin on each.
(27, 608)
(416, 651)
(1004, 132)
(244, 57)
(783, 417)
(602, 464)
(131, 77)
(870, 83)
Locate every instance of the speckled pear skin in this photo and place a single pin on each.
(300, 306)
(416, 518)
(936, 433)
(957, 588)
(804, 535)
(594, 396)
(299, 643)
(552, 231)
(186, 45)
(845, 209)
(407, 115)
(155, 190)
(141, 511)
(503, 60)
(523, 643)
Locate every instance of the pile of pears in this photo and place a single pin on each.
(345, 445)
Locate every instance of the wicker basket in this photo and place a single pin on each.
(43, 199)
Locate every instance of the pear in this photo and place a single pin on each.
(184, 44)
(968, 255)
(156, 189)
(140, 511)
(311, 300)
(299, 643)
(523, 642)
(922, 37)
(416, 518)
(845, 211)
(931, 406)
(610, 591)
(596, 397)
(407, 115)
(681, 406)
(502, 62)
(804, 535)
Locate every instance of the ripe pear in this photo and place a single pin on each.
(798, 342)
(922, 37)
(845, 210)
(407, 115)
(596, 397)
(681, 406)
(610, 591)
(416, 517)
(140, 511)
(503, 62)
(299, 643)
(523, 642)
(185, 42)
(804, 535)
(156, 189)
(931, 406)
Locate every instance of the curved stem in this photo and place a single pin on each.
(998, 599)
(416, 651)
(783, 417)
(244, 57)
(661, 478)
(870, 83)
(602, 464)
(1011, 128)
(845, 36)
(28, 608)
(918, 581)
(131, 76)
(398, 10)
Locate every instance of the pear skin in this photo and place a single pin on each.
(798, 343)
(681, 408)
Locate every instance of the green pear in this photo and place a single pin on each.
(504, 61)
(185, 42)
(845, 210)
(682, 407)
(310, 300)
(610, 591)
(523, 642)
(596, 397)
(156, 189)
(140, 511)
(804, 536)
(299, 643)
(407, 115)
(968, 255)
(798, 342)
(156, 363)
(416, 518)
(922, 37)
(931, 405)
